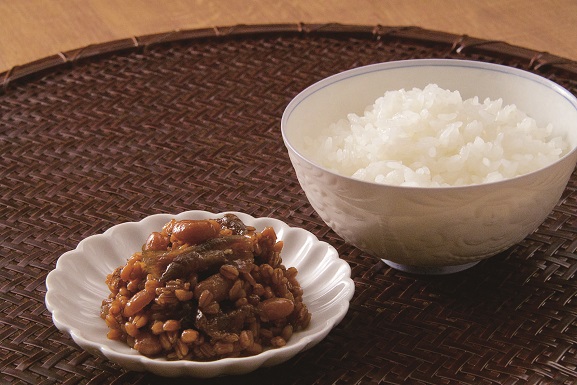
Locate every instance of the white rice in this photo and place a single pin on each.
(431, 137)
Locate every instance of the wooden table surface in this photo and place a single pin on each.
(34, 29)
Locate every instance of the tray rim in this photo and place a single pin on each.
(453, 43)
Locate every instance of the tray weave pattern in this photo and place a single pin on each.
(190, 120)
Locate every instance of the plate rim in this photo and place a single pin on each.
(202, 369)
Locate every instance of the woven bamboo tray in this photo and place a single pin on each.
(190, 120)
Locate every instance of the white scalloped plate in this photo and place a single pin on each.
(76, 288)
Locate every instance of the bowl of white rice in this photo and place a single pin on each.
(433, 164)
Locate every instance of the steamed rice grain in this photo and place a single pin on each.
(431, 137)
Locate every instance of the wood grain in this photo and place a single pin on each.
(33, 29)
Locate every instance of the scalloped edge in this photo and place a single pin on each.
(328, 315)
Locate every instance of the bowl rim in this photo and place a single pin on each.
(397, 64)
